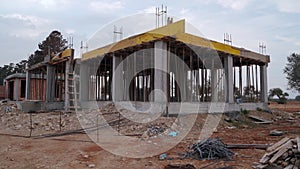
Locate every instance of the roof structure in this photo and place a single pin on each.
(16, 76)
(175, 32)
(58, 58)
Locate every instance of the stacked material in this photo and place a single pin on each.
(212, 148)
(283, 154)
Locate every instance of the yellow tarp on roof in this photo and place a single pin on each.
(177, 31)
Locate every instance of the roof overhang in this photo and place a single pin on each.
(176, 32)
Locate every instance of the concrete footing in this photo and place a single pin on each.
(36, 105)
(176, 108)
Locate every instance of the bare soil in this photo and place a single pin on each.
(77, 150)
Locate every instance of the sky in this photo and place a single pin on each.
(25, 23)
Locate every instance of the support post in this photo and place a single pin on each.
(27, 92)
(214, 85)
(16, 88)
(264, 83)
(50, 87)
(228, 66)
(67, 71)
(84, 82)
(117, 80)
(161, 68)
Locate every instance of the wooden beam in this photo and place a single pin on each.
(248, 146)
(283, 149)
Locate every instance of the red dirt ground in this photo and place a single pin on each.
(78, 151)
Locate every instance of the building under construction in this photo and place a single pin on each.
(185, 68)
(48, 83)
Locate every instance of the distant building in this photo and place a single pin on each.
(15, 86)
(2, 92)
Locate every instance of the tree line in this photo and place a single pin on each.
(54, 43)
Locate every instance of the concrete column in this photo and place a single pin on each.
(228, 67)
(126, 80)
(67, 71)
(50, 83)
(16, 86)
(160, 73)
(84, 82)
(264, 83)
(214, 83)
(117, 80)
(27, 92)
(186, 83)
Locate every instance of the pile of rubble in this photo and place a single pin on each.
(212, 148)
(15, 119)
(283, 154)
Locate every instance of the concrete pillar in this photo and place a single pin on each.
(67, 71)
(264, 83)
(214, 84)
(160, 73)
(126, 80)
(17, 86)
(185, 95)
(228, 67)
(117, 80)
(50, 83)
(84, 82)
(182, 79)
(27, 92)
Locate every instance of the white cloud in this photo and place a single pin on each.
(233, 4)
(184, 11)
(294, 41)
(106, 7)
(49, 4)
(30, 20)
(25, 26)
(150, 9)
(70, 31)
(289, 6)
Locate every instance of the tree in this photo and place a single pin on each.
(292, 70)
(279, 93)
(12, 68)
(35, 58)
(20, 67)
(53, 44)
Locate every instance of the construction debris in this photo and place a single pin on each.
(173, 134)
(212, 148)
(155, 130)
(185, 166)
(276, 133)
(247, 146)
(163, 156)
(259, 120)
(283, 154)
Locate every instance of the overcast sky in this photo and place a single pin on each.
(25, 23)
